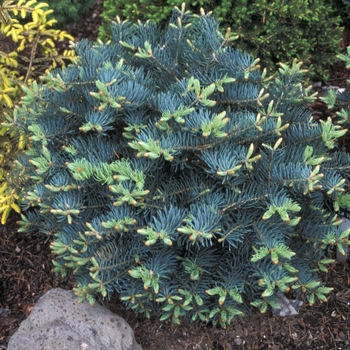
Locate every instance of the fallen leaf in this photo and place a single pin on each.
(27, 309)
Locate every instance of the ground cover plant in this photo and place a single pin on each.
(277, 31)
(168, 169)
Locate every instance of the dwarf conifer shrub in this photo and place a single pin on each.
(275, 31)
(168, 169)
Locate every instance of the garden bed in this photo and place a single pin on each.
(25, 264)
(25, 275)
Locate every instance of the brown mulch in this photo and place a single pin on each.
(25, 275)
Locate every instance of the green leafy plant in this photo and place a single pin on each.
(339, 99)
(30, 51)
(167, 168)
(277, 31)
(342, 8)
(69, 11)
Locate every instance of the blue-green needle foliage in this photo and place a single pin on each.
(168, 169)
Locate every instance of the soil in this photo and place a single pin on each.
(25, 275)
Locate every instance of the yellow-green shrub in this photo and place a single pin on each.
(29, 52)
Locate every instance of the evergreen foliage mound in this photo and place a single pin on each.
(167, 168)
(277, 31)
(69, 11)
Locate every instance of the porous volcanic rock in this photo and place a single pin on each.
(59, 322)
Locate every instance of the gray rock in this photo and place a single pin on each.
(287, 307)
(59, 322)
